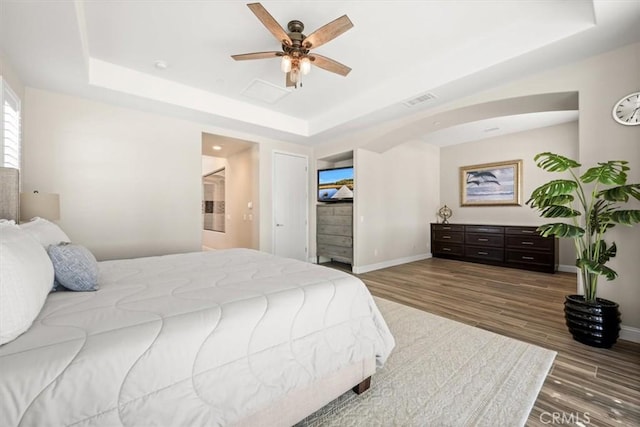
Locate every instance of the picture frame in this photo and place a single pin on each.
(491, 184)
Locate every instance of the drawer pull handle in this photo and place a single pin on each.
(527, 243)
(483, 253)
(527, 231)
(483, 240)
(446, 228)
(527, 257)
(446, 237)
(446, 249)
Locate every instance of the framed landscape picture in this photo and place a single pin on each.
(491, 184)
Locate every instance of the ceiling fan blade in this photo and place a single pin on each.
(290, 83)
(269, 22)
(327, 32)
(256, 55)
(329, 64)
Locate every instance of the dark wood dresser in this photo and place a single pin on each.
(504, 245)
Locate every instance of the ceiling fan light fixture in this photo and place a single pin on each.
(295, 75)
(295, 61)
(305, 65)
(285, 64)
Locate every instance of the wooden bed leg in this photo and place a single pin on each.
(363, 386)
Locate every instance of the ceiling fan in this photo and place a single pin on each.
(296, 47)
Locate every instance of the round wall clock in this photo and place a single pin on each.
(627, 110)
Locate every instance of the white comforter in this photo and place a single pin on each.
(184, 340)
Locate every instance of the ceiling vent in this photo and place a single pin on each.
(265, 91)
(419, 99)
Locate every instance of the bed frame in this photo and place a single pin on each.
(289, 410)
(301, 403)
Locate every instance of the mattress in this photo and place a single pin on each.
(204, 338)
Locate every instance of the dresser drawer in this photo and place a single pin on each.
(336, 230)
(522, 231)
(344, 210)
(533, 258)
(532, 242)
(488, 254)
(484, 229)
(441, 248)
(448, 237)
(447, 227)
(327, 239)
(335, 220)
(484, 239)
(332, 251)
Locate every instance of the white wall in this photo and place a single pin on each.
(560, 139)
(241, 223)
(396, 199)
(129, 182)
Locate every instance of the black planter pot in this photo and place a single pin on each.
(595, 324)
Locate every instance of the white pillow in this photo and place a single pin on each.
(26, 277)
(45, 232)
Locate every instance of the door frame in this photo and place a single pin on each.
(273, 204)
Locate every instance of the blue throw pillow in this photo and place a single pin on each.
(75, 267)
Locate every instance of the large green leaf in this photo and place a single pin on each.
(600, 216)
(597, 268)
(557, 187)
(604, 253)
(562, 199)
(612, 172)
(560, 229)
(555, 211)
(626, 217)
(554, 162)
(621, 193)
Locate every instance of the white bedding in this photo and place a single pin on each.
(204, 338)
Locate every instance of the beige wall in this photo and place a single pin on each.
(129, 182)
(601, 81)
(394, 204)
(10, 76)
(560, 139)
(241, 223)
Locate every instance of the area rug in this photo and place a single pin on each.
(443, 373)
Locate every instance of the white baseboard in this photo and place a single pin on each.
(629, 333)
(390, 263)
(568, 268)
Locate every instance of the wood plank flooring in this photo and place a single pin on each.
(586, 386)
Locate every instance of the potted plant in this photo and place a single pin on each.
(590, 213)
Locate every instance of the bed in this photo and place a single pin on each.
(229, 337)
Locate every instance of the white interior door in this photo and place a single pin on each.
(290, 205)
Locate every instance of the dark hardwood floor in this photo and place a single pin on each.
(586, 386)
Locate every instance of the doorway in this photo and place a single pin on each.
(230, 193)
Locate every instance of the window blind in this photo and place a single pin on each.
(10, 126)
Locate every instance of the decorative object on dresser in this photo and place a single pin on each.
(591, 320)
(335, 232)
(503, 245)
(445, 213)
(491, 184)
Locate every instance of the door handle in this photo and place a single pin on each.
(279, 225)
